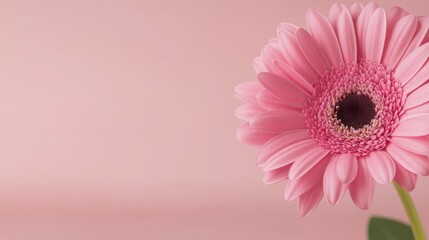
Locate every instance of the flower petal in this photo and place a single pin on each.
(286, 27)
(355, 10)
(421, 77)
(393, 16)
(422, 109)
(406, 179)
(252, 136)
(421, 31)
(418, 145)
(334, 189)
(289, 154)
(399, 40)
(270, 102)
(408, 68)
(302, 165)
(247, 111)
(276, 175)
(346, 167)
(289, 73)
(362, 188)
(278, 121)
(381, 166)
(412, 162)
(281, 141)
(308, 201)
(334, 12)
(325, 36)
(270, 53)
(375, 36)
(259, 65)
(284, 89)
(294, 56)
(347, 37)
(418, 97)
(413, 126)
(312, 51)
(362, 26)
(247, 91)
(302, 185)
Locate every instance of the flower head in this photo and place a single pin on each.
(342, 105)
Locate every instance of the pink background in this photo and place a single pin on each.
(117, 122)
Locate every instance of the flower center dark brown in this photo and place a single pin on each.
(355, 110)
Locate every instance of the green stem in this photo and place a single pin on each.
(416, 225)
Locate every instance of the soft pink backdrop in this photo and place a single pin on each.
(117, 122)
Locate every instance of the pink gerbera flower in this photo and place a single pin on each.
(342, 105)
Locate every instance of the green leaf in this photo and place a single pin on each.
(388, 229)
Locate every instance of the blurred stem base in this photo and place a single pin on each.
(411, 211)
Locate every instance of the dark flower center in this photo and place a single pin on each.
(355, 110)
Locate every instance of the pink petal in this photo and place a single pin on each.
(401, 36)
(413, 126)
(426, 37)
(421, 77)
(393, 16)
(308, 201)
(418, 97)
(405, 178)
(247, 91)
(362, 188)
(355, 10)
(421, 31)
(278, 121)
(347, 37)
(347, 167)
(295, 57)
(302, 165)
(247, 111)
(286, 27)
(302, 185)
(381, 166)
(362, 25)
(412, 162)
(418, 145)
(289, 73)
(373, 5)
(270, 102)
(252, 136)
(284, 89)
(422, 109)
(375, 36)
(259, 65)
(312, 51)
(276, 175)
(269, 54)
(412, 64)
(334, 189)
(278, 143)
(272, 51)
(289, 154)
(325, 36)
(334, 12)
